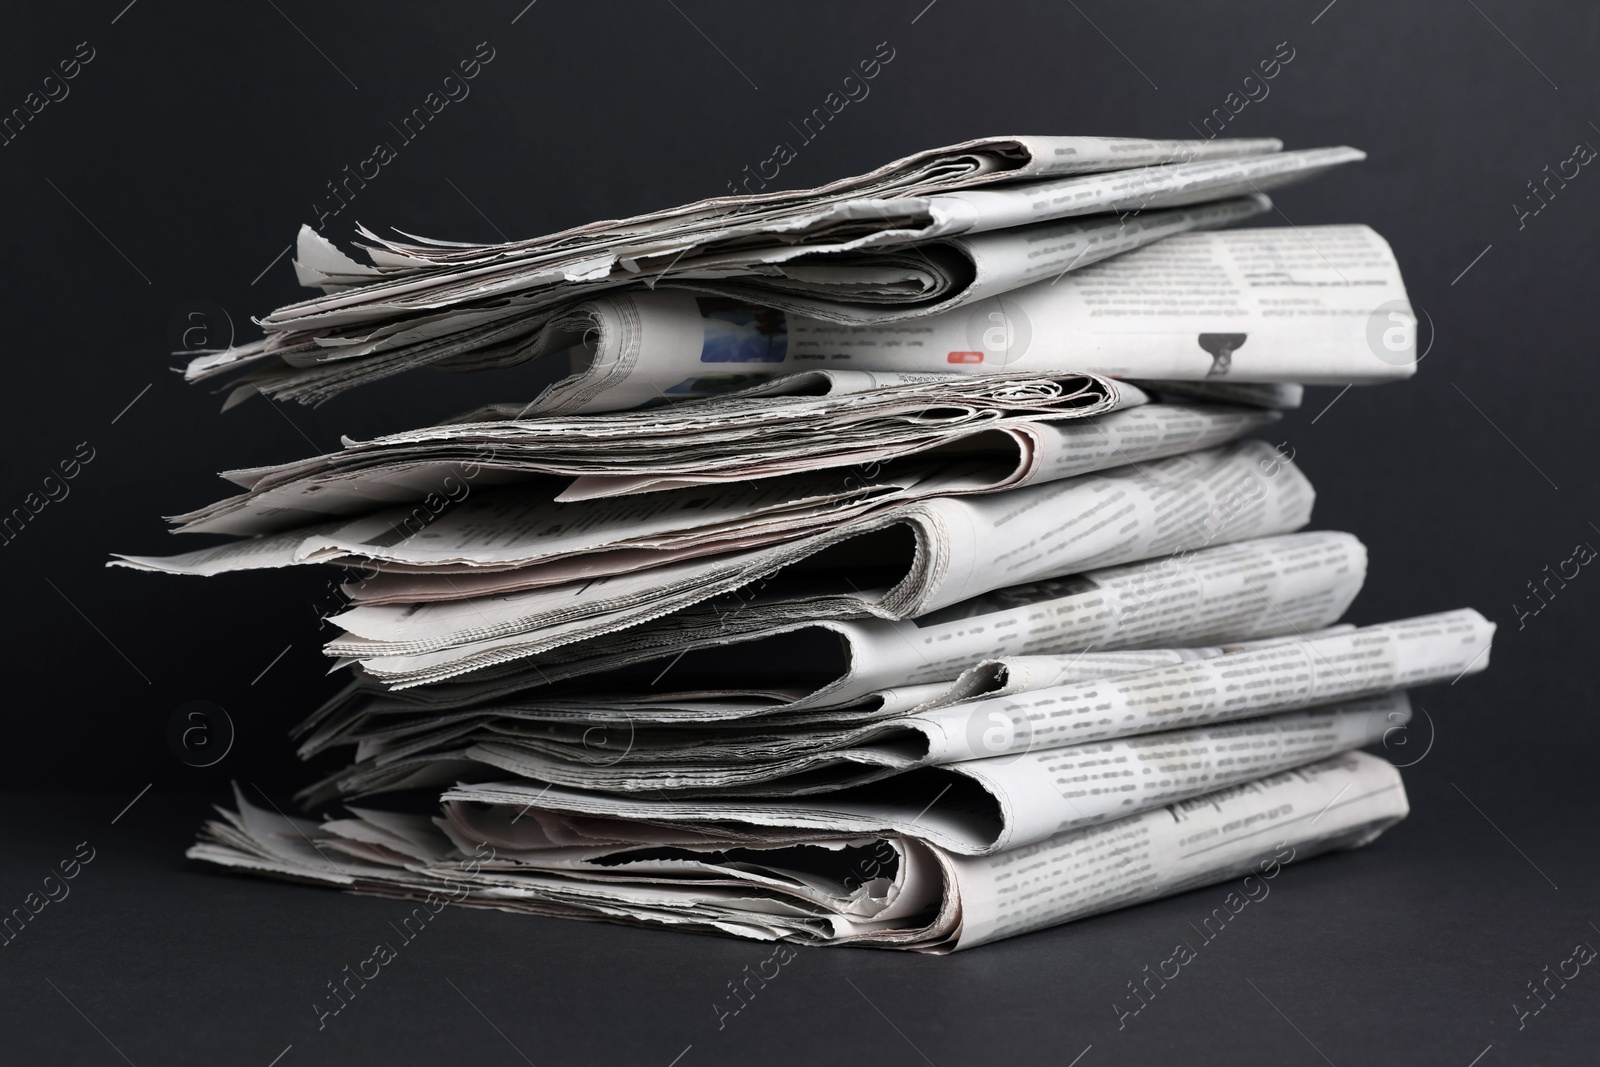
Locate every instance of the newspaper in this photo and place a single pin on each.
(937, 276)
(435, 746)
(1246, 832)
(1309, 305)
(970, 164)
(905, 561)
(800, 422)
(887, 890)
(1000, 643)
(1318, 305)
(766, 758)
(471, 306)
(986, 806)
(498, 539)
(741, 664)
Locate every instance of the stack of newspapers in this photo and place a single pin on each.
(903, 562)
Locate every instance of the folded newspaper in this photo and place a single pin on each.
(902, 562)
(1322, 305)
(888, 888)
(886, 563)
(1019, 707)
(792, 653)
(919, 237)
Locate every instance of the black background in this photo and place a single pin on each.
(197, 140)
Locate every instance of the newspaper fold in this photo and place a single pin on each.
(1046, 703)
(985, 806)
(903, 562)
(895, 890)
(434, 302)
(762, 758)
(800, 422)
(935, 276)
(726, 670)
(1314, 305)
(466, 549)
(403, 747)
(969, 164)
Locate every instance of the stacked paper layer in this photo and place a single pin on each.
(876, 570)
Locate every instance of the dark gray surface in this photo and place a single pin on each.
(199, 137)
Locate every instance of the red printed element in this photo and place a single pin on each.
(966, 357)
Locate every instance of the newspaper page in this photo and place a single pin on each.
(1239, 593)
(1248, 831)
(774, 760)
(970, 164)
(1281, 676)
(487, 305)
(869, 224)
(1227, 593)
(932, 554)
(993, 805)
(1021, 800)
(937, 276)
(1045, 449)
(703, 737)
(390, 744)
(890, 891)
(1010, 675)
(483, 539)
(1308, 305)
(800, 422)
